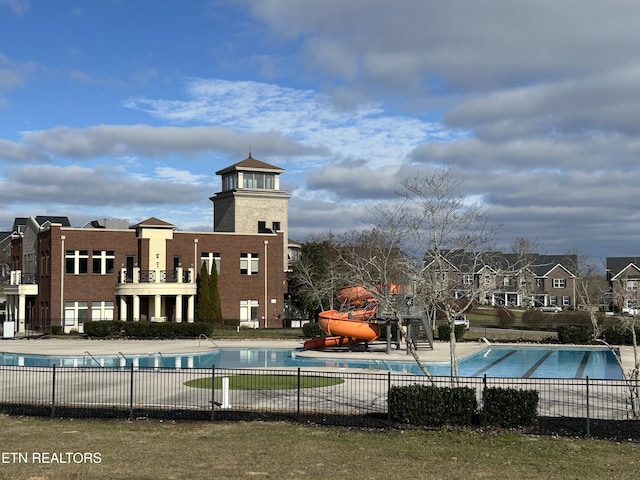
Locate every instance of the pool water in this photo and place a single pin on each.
(541, 362)
(494, 361)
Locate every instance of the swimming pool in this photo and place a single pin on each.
(494, 361)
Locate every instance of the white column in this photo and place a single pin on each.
(191, 311)
(178, 309)
(157, 306)
(21, 313)
(136, 308)
(123, 308)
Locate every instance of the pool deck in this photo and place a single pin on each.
(58, 346)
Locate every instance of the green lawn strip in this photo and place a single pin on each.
(266, 382)
(147, 449)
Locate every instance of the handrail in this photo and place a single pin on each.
(206, 338)
(164, 364)
(94, 359)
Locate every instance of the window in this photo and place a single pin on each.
(632, 285)
(30, 263)
(75, 313)
(487, 280)
(467, 279)
(76, 262)
(559, 283)
(566, 300)
(553, 300)
(104, 262)
(276, 226)
(230, 181)
(249, 263)
(258, 181)
(506, 281)
(249, 310)
(262, 227)
(102, 311)
(209, 258)
(45, 262)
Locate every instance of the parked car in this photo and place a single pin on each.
(631, 312)
(461, 320)
(551, 309)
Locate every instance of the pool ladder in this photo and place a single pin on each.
(204, 336)
(94, 359)
(164, 364)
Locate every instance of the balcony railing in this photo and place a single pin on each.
(20, 278)
(156, 276)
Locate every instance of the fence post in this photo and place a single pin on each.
(131, 394)
(213, 392)
(298, 399)
(484, 402)
(388, 406)
(588, 410)
(53, 391)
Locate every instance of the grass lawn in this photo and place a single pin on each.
(266, 382)
(167, 450)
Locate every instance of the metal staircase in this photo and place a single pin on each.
(414, 317)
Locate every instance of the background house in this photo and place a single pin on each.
(499, 279)
(623, 276)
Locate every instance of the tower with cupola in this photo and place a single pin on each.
(251, 200)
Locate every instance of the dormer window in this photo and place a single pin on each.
(258, 181)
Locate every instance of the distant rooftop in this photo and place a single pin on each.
(251, 164)
(20, 222)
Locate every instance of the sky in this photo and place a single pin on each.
(127, 108)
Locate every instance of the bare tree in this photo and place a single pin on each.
(449, 236)
(316, 275)
(591, 289)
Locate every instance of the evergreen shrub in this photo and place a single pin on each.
(444, 332)
(428, 405)
(164, 330)
(311, 330)
(509, 407)
(576, 334)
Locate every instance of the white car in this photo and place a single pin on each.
(631, 312)
(551, 309)
(461, 320)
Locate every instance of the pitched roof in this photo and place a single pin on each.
(539, 265)
(616, 265)
(153, 222)
(251, 164)
(20, 222)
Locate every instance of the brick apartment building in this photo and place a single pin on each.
(64, 276)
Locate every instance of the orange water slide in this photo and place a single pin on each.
(356, 296)
(343, 327)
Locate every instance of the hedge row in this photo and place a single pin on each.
(583, 334)
(428, 405)
(509, 407)
(165, 330)
(444, 332)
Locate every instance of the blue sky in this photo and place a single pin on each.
(126, 109)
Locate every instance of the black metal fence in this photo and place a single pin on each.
(354, 398)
